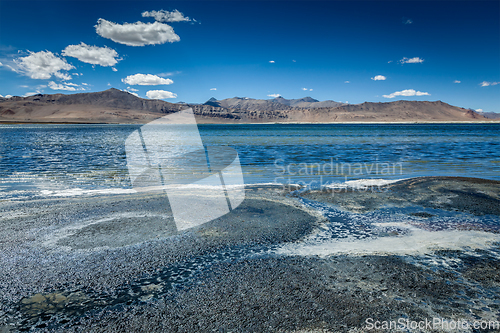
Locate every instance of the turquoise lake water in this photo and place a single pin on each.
(72, 159)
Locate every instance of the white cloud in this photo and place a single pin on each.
(294, 60)
(389, 61)
(457, 81)
(407, 20)
(95, 55)
(213, 88)
(166, 16)
(132, 89)
(146, 80)
(160, 94)
(415, 60)
(486, 83)
(347, 81)
(406, 93)
(42, 65)
(114, 69)
(1, 64)
(169, 73)
(310, 90)
(131, 92)
(378, 78)
(271, 61)
(136, 34)
(479, 110)
(274, 95)
(66, 86)
(304, 89)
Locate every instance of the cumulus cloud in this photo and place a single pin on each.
(347, 81)
(457, 81)
(274, 95)
(486, 83)
(479, 110)
(1, 64)
(415, 60)
(213, 88)
(160, 94)
(42, 65)
(378, 78)
(166, 16)
(95, 55)
(406, 93)
(65, 86)
(114, 69)
(136, 34)
(271, 61)
(146, 80)
(132, 89)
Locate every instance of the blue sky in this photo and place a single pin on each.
(193, 50)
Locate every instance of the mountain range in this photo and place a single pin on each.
(278, 103)
(116, 106)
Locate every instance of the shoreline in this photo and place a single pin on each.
(264, 123)
(275, 264)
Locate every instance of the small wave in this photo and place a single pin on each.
(364, 183)
(78, 192)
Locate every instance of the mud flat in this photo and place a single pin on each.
(286, 260)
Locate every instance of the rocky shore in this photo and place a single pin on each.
(277, 263)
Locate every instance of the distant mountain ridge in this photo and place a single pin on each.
(489, 115)
(278, 103)
(116, 106)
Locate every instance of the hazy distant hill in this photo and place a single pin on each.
(490, 115)
(278, 103)
(116, 106)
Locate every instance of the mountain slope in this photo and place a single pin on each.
(116, 106)
(109, 106)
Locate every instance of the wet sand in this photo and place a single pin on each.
(277, 263)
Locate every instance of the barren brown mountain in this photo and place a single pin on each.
(116, 106)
